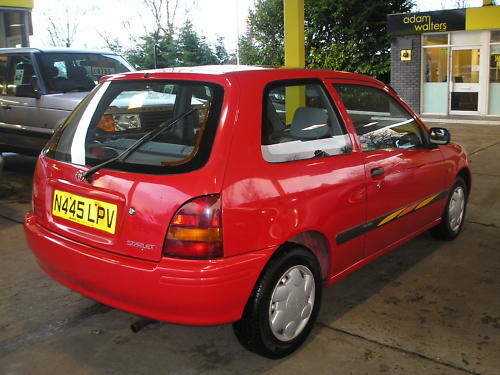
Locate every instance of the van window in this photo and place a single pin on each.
(118, 114)
(20, 72)
(299, 122)
(3, 74)
(78, 71)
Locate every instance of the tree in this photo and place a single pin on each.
(339, 34)
(193, 49)
(63, 30)
(263, 43)
(221, 52)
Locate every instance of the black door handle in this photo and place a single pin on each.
(377, 171)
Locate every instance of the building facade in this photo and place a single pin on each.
(15, 23)
(447, 62)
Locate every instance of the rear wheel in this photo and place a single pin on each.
(454, 214)
(283, 306)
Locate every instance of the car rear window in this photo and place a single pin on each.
(117, 114)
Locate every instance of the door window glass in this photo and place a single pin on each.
(299, 122)
(465, 66)
(380, 121)
(20, 72)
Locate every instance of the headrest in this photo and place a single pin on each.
(309, 123)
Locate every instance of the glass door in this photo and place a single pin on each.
(464, 83)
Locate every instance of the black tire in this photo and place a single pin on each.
(254, 330)
(450, 228)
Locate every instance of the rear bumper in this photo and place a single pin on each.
(174, 290)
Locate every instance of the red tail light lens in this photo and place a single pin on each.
(195, 232)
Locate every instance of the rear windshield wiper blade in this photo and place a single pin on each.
(129, 150)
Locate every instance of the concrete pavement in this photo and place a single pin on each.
(427, 308)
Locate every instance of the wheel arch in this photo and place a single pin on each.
(465, 174)
(316, 243)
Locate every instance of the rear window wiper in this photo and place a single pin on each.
(145, 138)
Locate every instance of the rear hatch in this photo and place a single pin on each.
(127, 159)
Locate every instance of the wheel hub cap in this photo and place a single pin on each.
(292, 303)
(456, 209)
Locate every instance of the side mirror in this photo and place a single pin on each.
(439, 136)
(27, 90)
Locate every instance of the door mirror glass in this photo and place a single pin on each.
(439, 136)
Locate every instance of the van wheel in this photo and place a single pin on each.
(283, 306)
(454, 215)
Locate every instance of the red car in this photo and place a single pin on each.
(234, 194)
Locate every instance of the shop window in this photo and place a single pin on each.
(436, 64)
(495, 36)
(435, 39)
(494, 108)
(495, 64)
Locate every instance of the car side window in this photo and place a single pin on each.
(299, 122)
(20, 72)
(380, 121)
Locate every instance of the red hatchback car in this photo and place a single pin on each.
(234, 194)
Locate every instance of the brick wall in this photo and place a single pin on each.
(405, 75)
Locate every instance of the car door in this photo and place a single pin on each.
(19, 110)
(405, 176)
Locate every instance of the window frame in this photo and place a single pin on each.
(424, 133)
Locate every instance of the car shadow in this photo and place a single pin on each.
(358, 287)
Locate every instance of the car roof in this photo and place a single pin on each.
(53, 50)
(242, 70)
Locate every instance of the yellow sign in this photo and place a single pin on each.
(405, 54)
(483, 18)
(85, 211)
(17, 3)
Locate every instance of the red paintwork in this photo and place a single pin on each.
(264, 206)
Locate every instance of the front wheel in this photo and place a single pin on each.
(454, 215)
(283, 306)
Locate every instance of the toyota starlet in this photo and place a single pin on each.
(234, 194)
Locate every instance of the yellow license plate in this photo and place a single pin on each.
(89, 212)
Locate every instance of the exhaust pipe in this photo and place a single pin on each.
(141, 323)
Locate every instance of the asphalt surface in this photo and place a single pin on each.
(428, 307)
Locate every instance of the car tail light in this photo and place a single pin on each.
(195, 232)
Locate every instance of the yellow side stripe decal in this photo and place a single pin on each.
(390, 217)
(425, 202)
(368, 226)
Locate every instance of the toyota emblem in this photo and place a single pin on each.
(79, 176)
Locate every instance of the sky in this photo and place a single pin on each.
(211, 18)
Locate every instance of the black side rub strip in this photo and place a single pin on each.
(361, 229)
